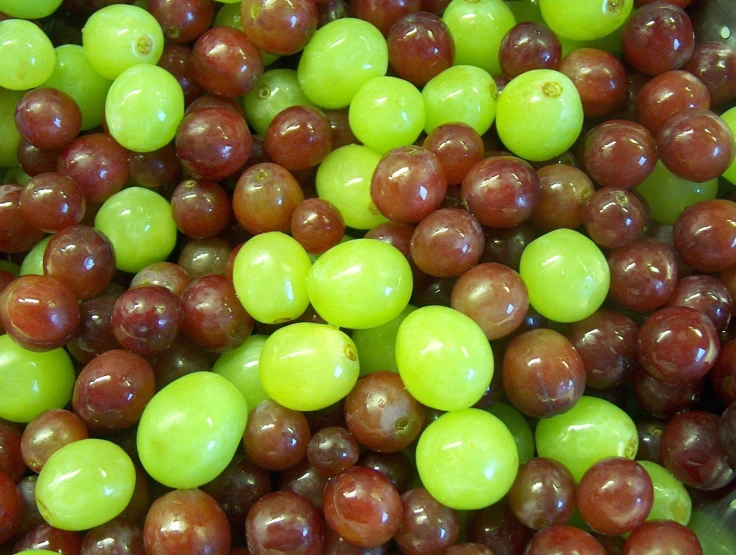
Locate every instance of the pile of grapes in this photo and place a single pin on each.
(366, 277)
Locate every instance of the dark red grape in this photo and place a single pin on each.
(182, 358)
(427, 527)
(201, 209)
(563, 540)
(705, 235)
(94, 334)
(166, 274)
(599, 77)
(10, 508)
(332, 450)
(47, 433)
(156, 169)
(51, 202)
(505, 245)
(723, 374)
(204, 257)
(182, 21)
(317, 224)
(714, 63)
(383, 13)
(51, 539)
(48, 118)
(613, 218)
(177, 60)
(335, 544)
(707, 294)
(284, 522)
(16, 234)
(116, 537)
(458, 147)
(279, 27)
(662, 399)
(543, 494)
(669, 93)
(276, 438)
(35, 161)
(299, 137)
(304, 480)
(395, 466)
(420, 47)
(564, 191)
(497, 528)
(528, 46)
(659, 537)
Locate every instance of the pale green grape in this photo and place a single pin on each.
(477, 28)
(467, 459)
(308, 366)
(377, 346)
(590, 431)
(671, 499)
(270, 277)
(8, 266)
(668, 195)
(519, 428)
(84, 484)
(230, 15)
(539, 115)
(585, 20)
(27, 55)
(464, 94)
(360, 284)
(33, 382)
(277, 89)
(387, 112)
(144, 107)
(344, 178)
(444, 358)
(8, 130)
(240, 367)
(339, 59)
(33, 261)
(74, 75)
(525, 10)
(120, 36)
(190, 430)
(139, 225)
(29, 9)
(729, 116)
(566, 275)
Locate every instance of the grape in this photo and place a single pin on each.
(8, 130)
(585, 20)
(444, 358)
(519, 428)
(427, 527)
(27, 53)
(29, 10)
(240, 366)
(729, 116)
(277, 89)
(377, 346)
(671, 499)
(49, 432)
(190, 430)
(308, 366)
(85, 484)
(275, 437)
(33, 261)
(284, 522)
(541, 99)
(543, 494)
(282, 28)
(467, 459)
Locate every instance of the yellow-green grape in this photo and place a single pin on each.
(467, 459)
(668, 195)
(464, 94)
(33, 382)
(33, 261)
(387, 112)
(477, 28)
(27, 55)
(37, 552)
(74, 75)
(16, 175)
(729, 116)
(308, 366)
(525, 10)
(8, 130)
(671, 499)
(539, 115)
(519, 428)
(610, 43)
(566, 275)
(344, 179)
(585, 20)
(121, 36)
(190, 430)
(339, 59)
(85, 484)
(230, 15)
(360, 284)
(377, 346)
(277, 89)
(29, 9)
(270, 277)
(240, 367)
(444, 358)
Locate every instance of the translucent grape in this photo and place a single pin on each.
(519, 428)
(671, 499)
(377, 346)
(585, 20)
(240, 367)
(729, 116)
(33, 261)
(277, 89)
(9, 132)
(29, 10)
(27, 54)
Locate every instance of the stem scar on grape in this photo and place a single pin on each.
(145, 45)
(552, 89)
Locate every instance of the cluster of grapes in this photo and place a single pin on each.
(261, 258)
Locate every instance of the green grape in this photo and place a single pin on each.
(566, 275)
(668, 195)
(270, 277)
(610, 43)
(339, 59)
(33, 382)
(464, 94)
(190, 430)
(276, 90)
(590, 431)
(308, 366)
(729, 116)
(27, 54)
(74, 75)
(444, 358)
(387, 112)
(139, 225)
(25, 9)
(240, 367)
(377, 346)
(477, 28)
(585, 20)
(121, 36)
(33, 261)
(144, 107)
(539, 115)
(85, 484)
(11, 267)
(230, 15)
(360, 284)
(344, 179)
(8, 130)
(671, 499)
(467, 459)
(16, 175)
(525, 10)
(37, 552)
(519, 428)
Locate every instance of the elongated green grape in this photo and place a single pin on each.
(467, 459)
(344, 178)
(671, 499)
(729, 116)
(27, 55)
(339, 59)
(519, 428)
(29, 9)
(139, 225)
(32, 382)
(84, 484)
(585, 20)
(240, 367)
(277, 89)
(444, 358)
(308, 366)
(120, 36)
(8, 130)
(566, 275)
(190, 430)
(33, 261)
(590, 431)
(270, 277)
(377, 346)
